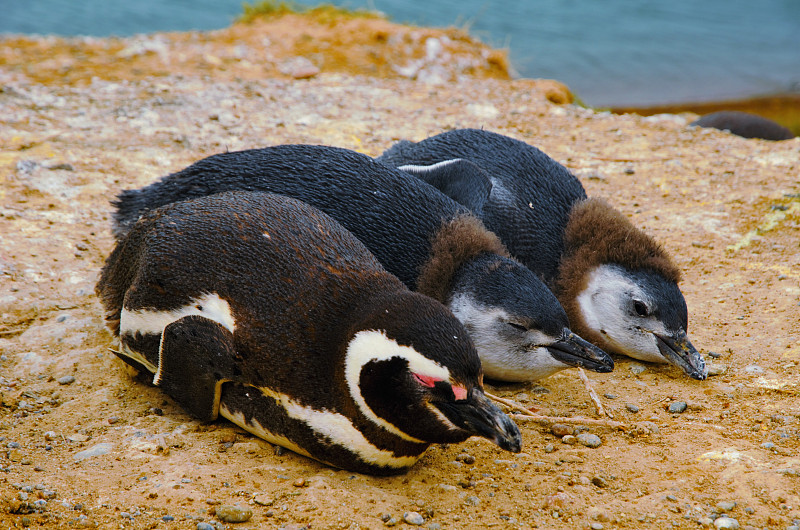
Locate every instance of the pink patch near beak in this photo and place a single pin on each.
(460, 392)
(427, 380)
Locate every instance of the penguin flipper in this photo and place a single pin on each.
(461, 180)
(196, 356)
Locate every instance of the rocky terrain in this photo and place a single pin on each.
(83, 444)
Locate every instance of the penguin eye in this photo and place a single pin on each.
(640, 308)
(518, 327)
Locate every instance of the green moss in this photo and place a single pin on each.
(322, 12)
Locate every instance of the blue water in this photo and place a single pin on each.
(610, 52)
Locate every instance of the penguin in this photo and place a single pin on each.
(745, 125)
(431, 243)
(617, 285)
(265, 311)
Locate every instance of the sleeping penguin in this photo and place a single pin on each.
(617, 285)
(431, 243)
(266, 311)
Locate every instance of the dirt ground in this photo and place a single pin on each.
(84, 445)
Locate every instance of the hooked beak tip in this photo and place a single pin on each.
(679, 351)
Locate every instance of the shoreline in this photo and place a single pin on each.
(783, 108)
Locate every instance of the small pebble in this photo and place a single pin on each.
(467, 459)
(717, 369)
(677, 407)
(413, 518)
(434, 526)
(562, 429)
(299, 483)
(569, 439)
(600, 482)
(66, 380)
(233, 514)
(596, 526)
(392, 521)
(726, 522)
(714, 354)
(768, 445)
(637, 369)
(168, 518)
(472, 500)
(96, 450)
(589, 440)
(549, 448)
(610, 396)
(632, 408)
(204, 526)
(726, 506)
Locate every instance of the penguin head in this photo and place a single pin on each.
(640, 314)
(411, 369)
(519, 328)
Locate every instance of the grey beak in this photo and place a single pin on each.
(572, 350)
(679, 351)
(481, 417)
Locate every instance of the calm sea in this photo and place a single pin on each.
(610, 52)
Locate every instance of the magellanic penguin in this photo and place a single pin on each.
(432, 244)
(266, 311)
(617, 285)
(745, 125)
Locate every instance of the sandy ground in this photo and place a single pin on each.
(83, 444)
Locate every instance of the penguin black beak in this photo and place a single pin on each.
(679, 351)
(480, 417)
(572, 350)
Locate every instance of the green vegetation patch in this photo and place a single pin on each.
(322, 12)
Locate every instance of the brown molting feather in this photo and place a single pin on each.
(457, 242)
(597, 234)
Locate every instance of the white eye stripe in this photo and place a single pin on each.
(153, 322)
(371, 345)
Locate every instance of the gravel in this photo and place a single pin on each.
(413, 518)
(589, 440)
(726, 523)
(677, 407)
(95, 450)
(562, 429)
(233, 514)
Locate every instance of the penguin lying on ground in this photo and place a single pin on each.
(427, 240)
(744, 124)
(617, 285)
(265, 310)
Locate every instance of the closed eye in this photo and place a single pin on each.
(519, 327)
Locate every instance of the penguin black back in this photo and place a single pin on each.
(416, 232)
(265, 310)
(618, 286)
(745, 125)
(394, 215)
(526, 189)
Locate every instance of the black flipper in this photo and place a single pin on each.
(196, 356)
(461, 180)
